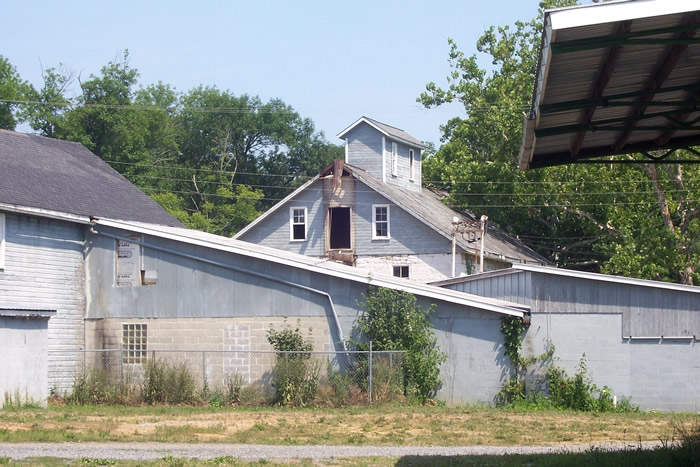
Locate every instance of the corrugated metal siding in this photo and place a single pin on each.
(365, 149)
(44, 269)
(511, 287)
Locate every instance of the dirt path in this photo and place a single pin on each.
(155, 451)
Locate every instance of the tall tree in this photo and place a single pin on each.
(13, 89)
(640, 221)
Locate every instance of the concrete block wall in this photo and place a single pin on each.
(217, 346)
(656, 374)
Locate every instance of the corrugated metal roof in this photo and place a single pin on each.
(317, 265)
(615, 78)
(388, 130)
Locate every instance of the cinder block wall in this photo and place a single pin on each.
(216, 346)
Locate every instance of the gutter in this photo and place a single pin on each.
(234, 268)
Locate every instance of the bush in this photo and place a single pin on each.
(93, 386)
(166, 383)
(393, 320)
(295, 375)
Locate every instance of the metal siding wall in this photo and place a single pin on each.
(365, 150)
(44, 269)
(25, 352)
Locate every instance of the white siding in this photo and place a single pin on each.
(44, 269)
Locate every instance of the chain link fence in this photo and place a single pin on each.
(290, 378)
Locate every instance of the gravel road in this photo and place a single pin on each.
(154, 451)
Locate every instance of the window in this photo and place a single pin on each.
(380, 221)
(410, 164)
(2, 241)
(401, 271)
(134, 343)
(297, 224)
(394, 159)
(339, 226)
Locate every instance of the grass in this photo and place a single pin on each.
(375, 425)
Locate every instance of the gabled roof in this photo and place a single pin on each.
(615, 78)
(387, 130)
(427, 207)
(329, 268)
(61, 176)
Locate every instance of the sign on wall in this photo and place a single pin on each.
(128, 263)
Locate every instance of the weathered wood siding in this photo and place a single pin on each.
(365, 150)
(408, 234)
(401, 178)
(273, 231)
(44, 269)
(655, 368)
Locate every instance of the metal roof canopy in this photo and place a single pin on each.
(616, 78)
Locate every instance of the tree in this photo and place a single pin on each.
(638, 220)
(393, 320)
(12, 90)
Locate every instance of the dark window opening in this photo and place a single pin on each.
(339, 225)
(401, 271)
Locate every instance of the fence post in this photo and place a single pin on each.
(121, 362)
(204, 373)
(370, 372)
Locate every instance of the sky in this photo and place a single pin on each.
(331, 61)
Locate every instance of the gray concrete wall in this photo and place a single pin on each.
(656, 374)
(44, 269)
(25, 366)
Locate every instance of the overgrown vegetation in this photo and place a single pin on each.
(554, 388)
(295, 376)
(167, 383)
(393, 320)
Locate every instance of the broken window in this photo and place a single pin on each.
(339, 227)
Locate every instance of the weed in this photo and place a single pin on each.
(168, 383)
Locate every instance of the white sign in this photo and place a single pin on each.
(128, 264)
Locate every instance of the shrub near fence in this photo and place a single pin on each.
(232, 377)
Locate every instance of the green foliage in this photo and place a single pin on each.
(295, 376)
(12, 88)
(166, 383)
(94, 386)
(559, 390)
(393, 320)
(634, 220)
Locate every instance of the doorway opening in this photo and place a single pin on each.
(339, 228)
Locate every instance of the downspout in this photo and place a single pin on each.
(237, 269)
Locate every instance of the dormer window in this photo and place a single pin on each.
(394, 159)
(411, 169)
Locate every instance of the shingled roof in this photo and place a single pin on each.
(387, 130)
(66, 177)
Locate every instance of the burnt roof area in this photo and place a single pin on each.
(616, 82)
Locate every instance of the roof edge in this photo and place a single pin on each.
(32, 211)
(607, 278)
(371, 123)
(316, 266)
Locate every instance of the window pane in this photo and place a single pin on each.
(299, 231)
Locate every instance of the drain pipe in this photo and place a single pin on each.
(237, 269)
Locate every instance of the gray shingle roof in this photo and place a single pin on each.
(63, 176)
(427, 207)
(388, 130)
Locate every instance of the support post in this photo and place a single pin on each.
(370, 372)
